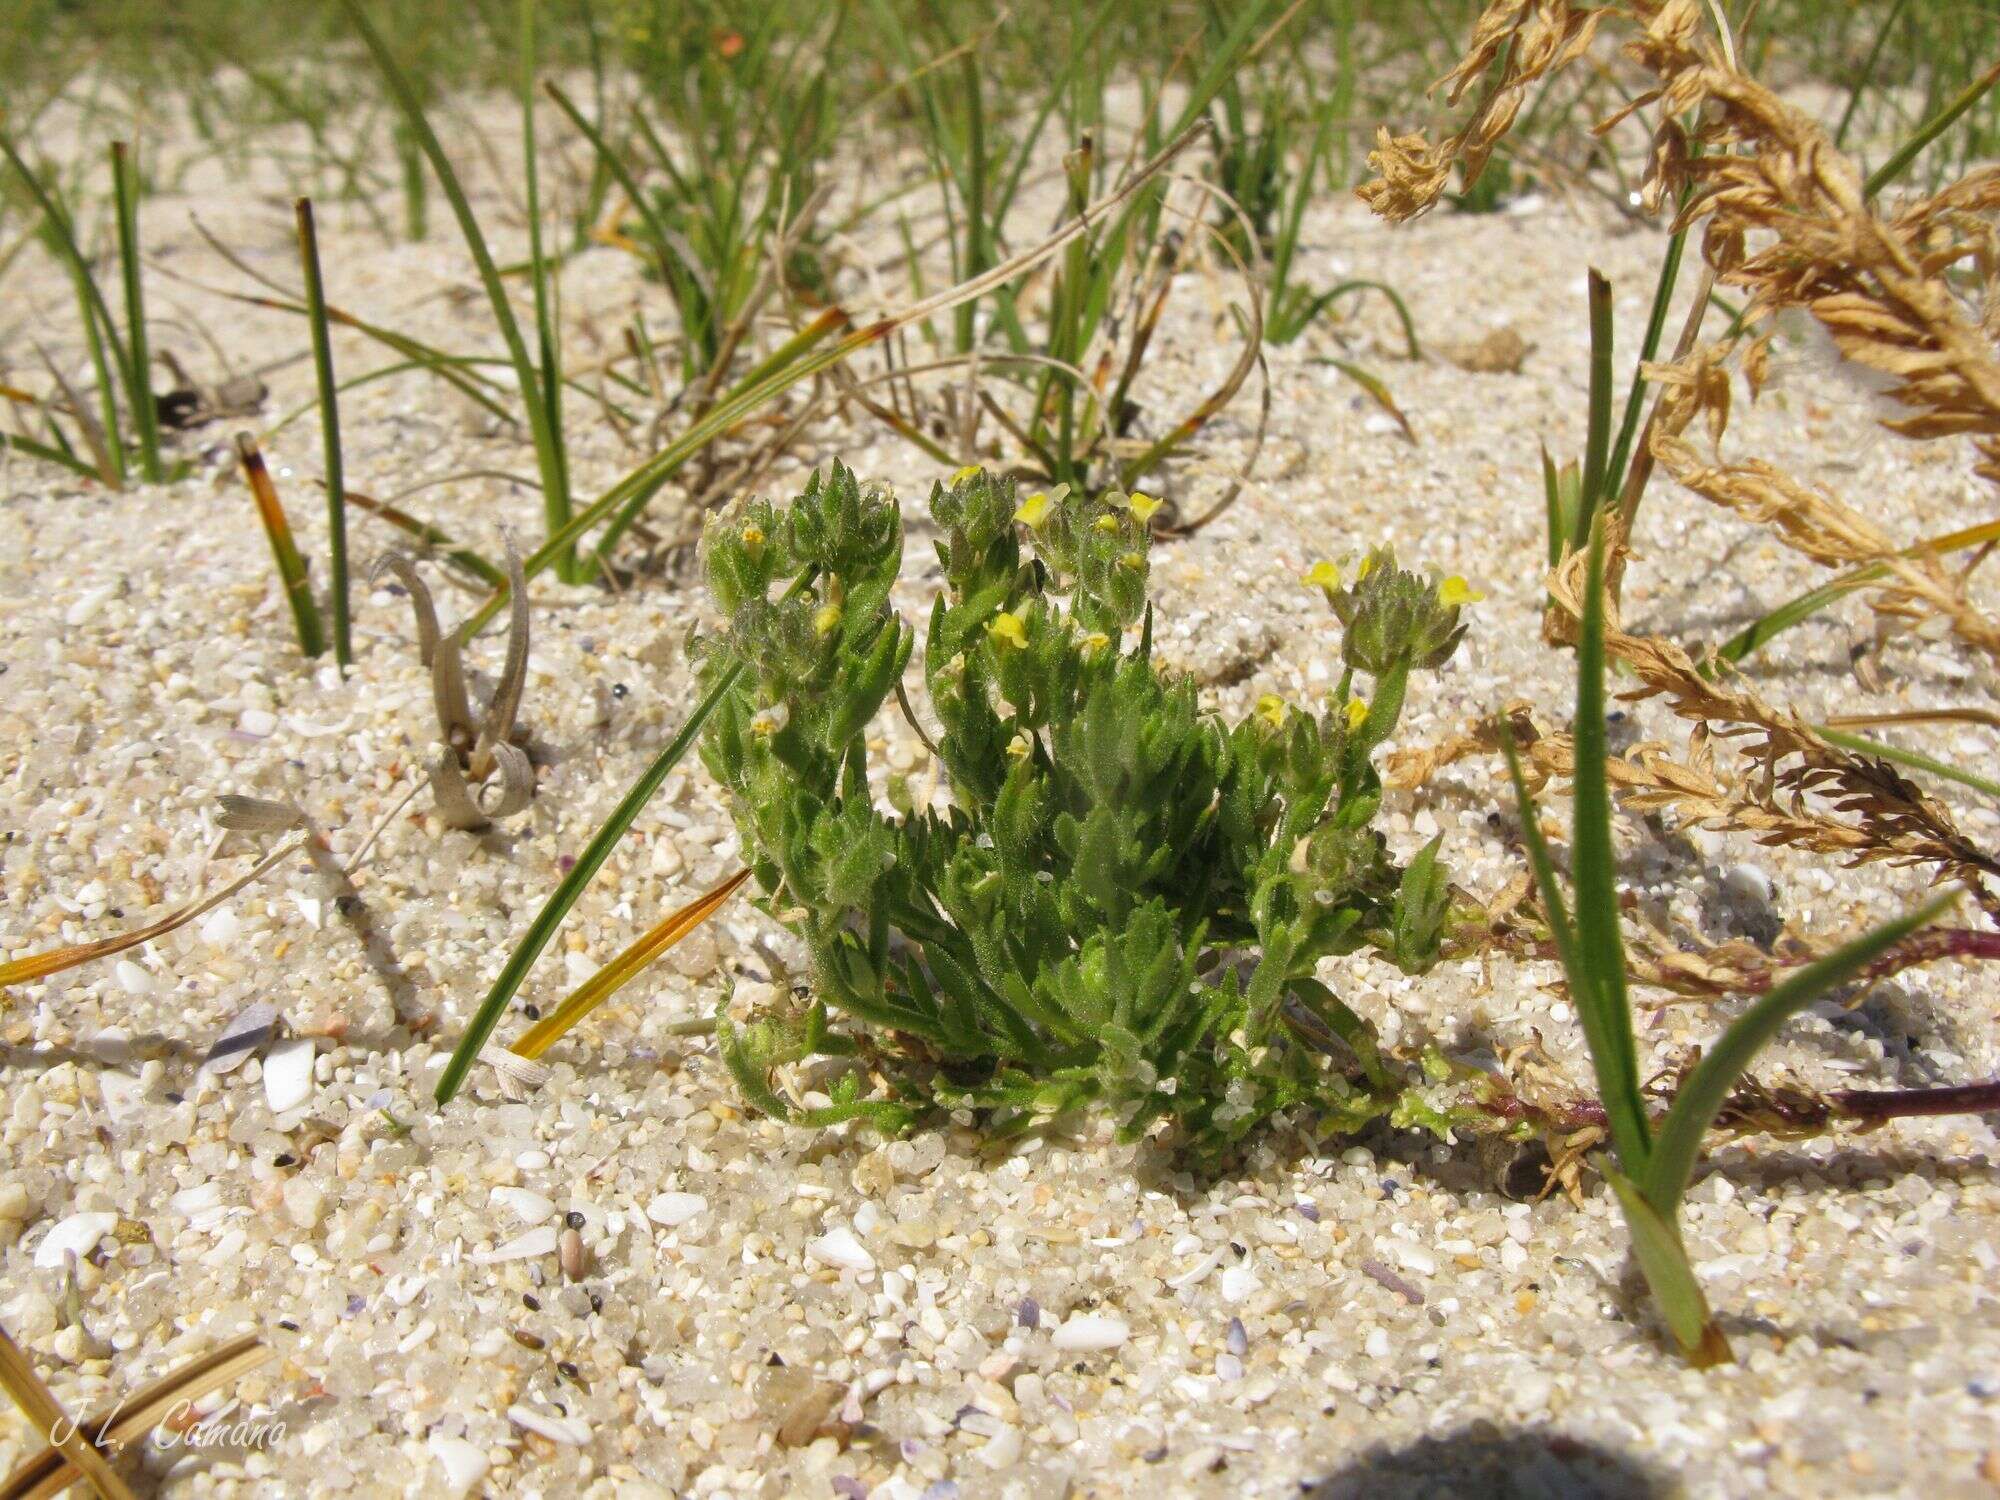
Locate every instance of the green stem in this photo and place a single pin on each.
(329, 424)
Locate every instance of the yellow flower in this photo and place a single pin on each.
(1133, 560)
(1455, 591)
(964, 474)
(1019, 747)
(769, 721)
(1357, 710)
(1322, 575)
(1107, 523)
(1034, 510)
(1271, 709)
(827, 620)
(1095, 642)
(1143, 506)
(1008, 630)
(1363, 568)
(753, 536)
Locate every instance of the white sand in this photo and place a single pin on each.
(149, 666)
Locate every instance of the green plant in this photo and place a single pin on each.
(120, 363)
(329, 418)
(1653, 1161)
(1125, 904)
(539, 376)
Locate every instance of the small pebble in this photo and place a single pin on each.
(1086, 1332)
(464, 1465)
(573, 1255)
(671, 1210)
(839, 1248)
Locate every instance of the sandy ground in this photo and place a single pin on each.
(1336, 1318)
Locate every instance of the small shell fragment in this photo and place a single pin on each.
(519, 1076)
(1090, 1331)
(241, 1037)
(671, 1210)
(527, 1206)
(77, 1235)
(464, 1465)
(840, 1249)
(540, 1241)
(566, 1430)
(288, 1074)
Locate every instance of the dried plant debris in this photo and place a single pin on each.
(480, 768)
(132, 1417)
(1501, 352)
(248, 813)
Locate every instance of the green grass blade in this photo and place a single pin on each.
(1867, 74)
(1758, 632)
(284, 551)
(1559, 513)
(48, 454)
(1886, 174)
(329, 425)
(571, 889)
(434, 538)
(98, 324)
(1597, 446)
(1376, 387)
(1603, 1006)
(1656, 325)
(621, 173)
(555, 497)
(1547, 884)
(1663, 1260)
(1705, 1090)
(138, 360)
(1327, 298)
(548, 450)
(1915, 760)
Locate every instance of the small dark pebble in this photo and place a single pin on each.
(1240, 1251)
(566, 863)
(574, 1218)
(117, 911)
(284, 1159)
(355, 1302)
(1237, 1339)
(529, 1299)
(1375, 1271)
(173, 1098)
(288, 1325)
(619, 690)
(1155, 1455)
(567, 1370)
(534, 1012)
(775, 1361)
(529, 1340)
(1028, 1313)
(1983, 1388)
(596, 1303)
